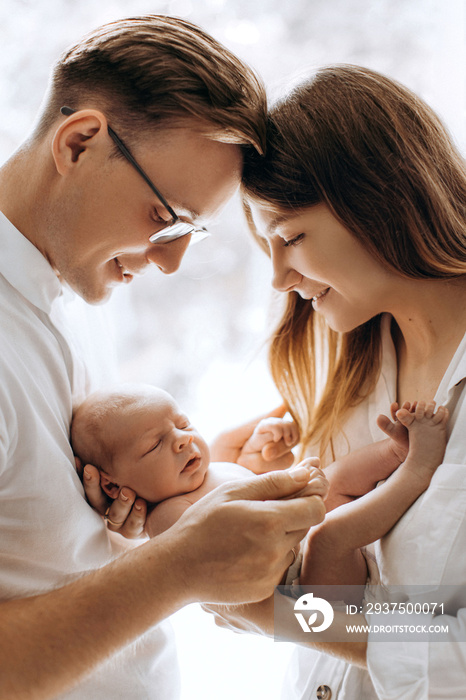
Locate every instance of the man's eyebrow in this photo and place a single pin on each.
(184, 209)
(193, 215)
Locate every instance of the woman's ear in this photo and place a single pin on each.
(77, 136)
(109, 486)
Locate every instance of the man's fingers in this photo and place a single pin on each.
(120, 509)
(94, 494)
(300, 514)
(272, 486)
(270, 494)
(134, 525)
(126, 514)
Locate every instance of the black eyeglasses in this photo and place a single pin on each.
(176, 227)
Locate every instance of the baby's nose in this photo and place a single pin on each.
(182, 441)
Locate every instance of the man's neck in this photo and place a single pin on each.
(24, 182)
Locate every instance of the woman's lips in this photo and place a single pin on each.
(318, 299)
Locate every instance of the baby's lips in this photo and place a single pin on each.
(191, 459)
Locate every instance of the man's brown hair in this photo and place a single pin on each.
(156, 70)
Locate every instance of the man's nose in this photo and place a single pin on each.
(168, 256)
(182, 440)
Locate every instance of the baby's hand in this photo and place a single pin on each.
(318, 484)
(267, 432)
(273, 430)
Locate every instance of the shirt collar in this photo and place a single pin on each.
(455, 373)
(26, 269)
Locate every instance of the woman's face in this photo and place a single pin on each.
(314, 255)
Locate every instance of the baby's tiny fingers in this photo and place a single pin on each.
(320, 485)
(316, 487)
(310, 462)
(94, 494)
(291, 434)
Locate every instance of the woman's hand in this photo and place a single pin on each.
(229, 445)
(125, 515)
(254, 618)
(274, 617)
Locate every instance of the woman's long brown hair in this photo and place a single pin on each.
(386, 167)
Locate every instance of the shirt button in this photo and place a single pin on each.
(323, 693)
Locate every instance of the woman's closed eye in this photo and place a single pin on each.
(293, 241)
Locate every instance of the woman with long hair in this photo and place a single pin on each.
(360, 202)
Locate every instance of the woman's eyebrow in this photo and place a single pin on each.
(276, 221)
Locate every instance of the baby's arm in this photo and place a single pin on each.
(332, 554)
(268, 431)
(359, 472)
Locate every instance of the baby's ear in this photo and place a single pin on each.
(110, 487)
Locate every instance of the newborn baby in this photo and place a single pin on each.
(137, 436)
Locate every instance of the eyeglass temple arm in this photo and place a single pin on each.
(68, 111)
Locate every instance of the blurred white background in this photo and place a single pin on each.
(201, 334)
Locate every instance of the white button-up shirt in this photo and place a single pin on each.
(426, 548)
(48, 533)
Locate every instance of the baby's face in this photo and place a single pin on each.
(160, 454)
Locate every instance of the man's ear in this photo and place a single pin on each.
(76, 136)
(109, 486)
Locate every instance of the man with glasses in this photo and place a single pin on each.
(79, 206)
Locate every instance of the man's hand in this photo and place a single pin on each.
(125, 515)
(239, 538)
(229, 445)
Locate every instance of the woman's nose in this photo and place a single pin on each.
(168, 256)
(182, 440)
(284, 278)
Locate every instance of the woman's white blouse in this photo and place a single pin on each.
(426, 548)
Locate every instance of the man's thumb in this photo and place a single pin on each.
(276, 485)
